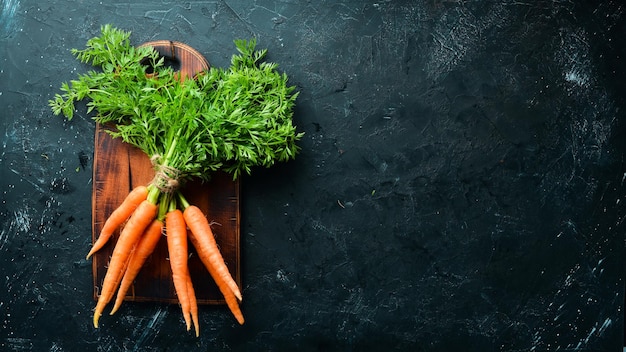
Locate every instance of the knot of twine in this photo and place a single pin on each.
(166, 177)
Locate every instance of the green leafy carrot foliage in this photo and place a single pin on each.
(231, 119)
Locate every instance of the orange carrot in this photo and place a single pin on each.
(135, 227)
(177, 248)
(118, 216)
(233, 304)
(142, 251)
(202, 239)
(193, 305)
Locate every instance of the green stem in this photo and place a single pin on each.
(179, 132)
(92, 90)
(163, 208)
(172, 203)
(183, 202)
(169, 153)
(110, 52)
(153, 194)
(170, 150)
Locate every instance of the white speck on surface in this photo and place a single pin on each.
(280, 276)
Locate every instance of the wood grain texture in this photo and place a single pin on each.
(186, 59)
(119, 167)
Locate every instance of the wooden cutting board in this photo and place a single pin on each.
(119, 167)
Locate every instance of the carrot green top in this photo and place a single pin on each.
(230, 119)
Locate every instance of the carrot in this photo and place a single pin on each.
(177, 248)
(118, 216)
(193, 305)
(142, 251)
(134, 228)
(233, 304)
(203, 240)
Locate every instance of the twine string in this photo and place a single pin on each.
(166, 177)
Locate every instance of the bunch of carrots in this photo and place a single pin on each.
(228, 119)
(143, 222)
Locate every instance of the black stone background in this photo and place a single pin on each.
(460, 186)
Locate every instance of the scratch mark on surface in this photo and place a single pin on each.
(605, 325)
(243, 21)
(4, 237)
(157, 14)
(458, 36)
(19, 344)
(593, 271)
(156, 320)
(577, 77)
(21, 222)
(7, 16)
(595, 330)
(184, 19)
(36, 186)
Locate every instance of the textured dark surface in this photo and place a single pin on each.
(460, 186)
